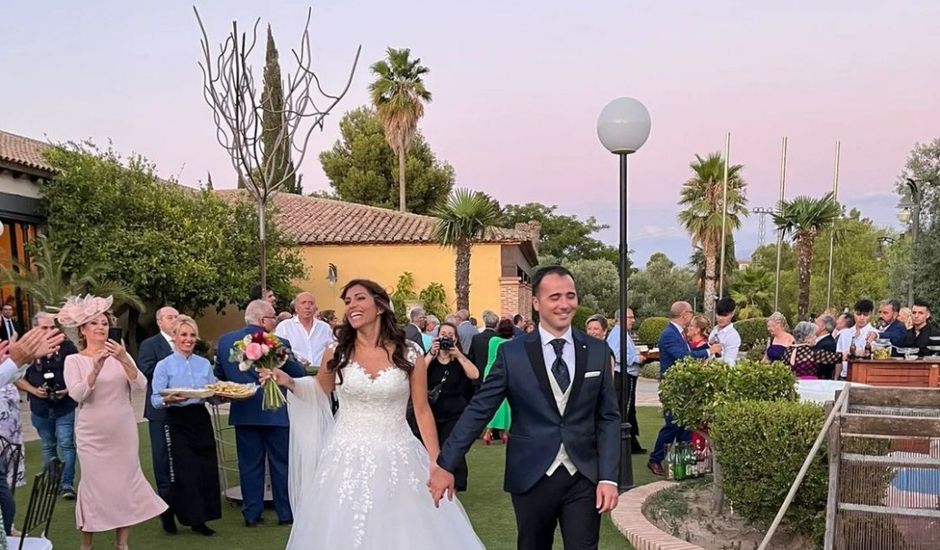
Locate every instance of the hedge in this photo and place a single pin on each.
(650, 370)
(760, 446)
(752, 331)
(650, 329)
(693, 389)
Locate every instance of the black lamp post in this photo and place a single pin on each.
(910, 211)
(623, 127)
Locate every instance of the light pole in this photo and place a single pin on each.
(623, 127)
(910, 211)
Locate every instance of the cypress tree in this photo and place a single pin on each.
(276, 157)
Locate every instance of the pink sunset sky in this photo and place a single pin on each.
(517, 88)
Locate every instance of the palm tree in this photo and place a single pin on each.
(48, 282)
(466, 217)
(399, 95)
(697, 263)
(752, 290)
(701, 196)
(803, 218)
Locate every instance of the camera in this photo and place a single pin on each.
(446, 343)
(48, 384)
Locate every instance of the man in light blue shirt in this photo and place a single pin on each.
(634, 360)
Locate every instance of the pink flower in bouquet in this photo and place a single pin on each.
(253, 351)
(265, 349)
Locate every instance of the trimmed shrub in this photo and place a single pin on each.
(650, 370)
(760, 446)
(752, 331)
(755, 381)
(650, 329)
(691, 390)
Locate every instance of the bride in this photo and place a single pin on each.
(361, 481)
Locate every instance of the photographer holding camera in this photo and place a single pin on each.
(450, 386)
(53, 411)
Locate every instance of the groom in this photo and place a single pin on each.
(564, 446)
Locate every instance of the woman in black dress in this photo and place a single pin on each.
(450, 387)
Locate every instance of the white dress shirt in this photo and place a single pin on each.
(730, 342)
(307, 346)
(169, 340)
(561, 398)
(10, 373)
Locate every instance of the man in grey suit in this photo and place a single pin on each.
(152, 351)
(465, 330)
(414, 329)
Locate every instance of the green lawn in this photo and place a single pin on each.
(488, 506)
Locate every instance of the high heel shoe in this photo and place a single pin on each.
(488, 438)
(120, 546)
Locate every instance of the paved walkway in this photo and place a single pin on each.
(647, 393)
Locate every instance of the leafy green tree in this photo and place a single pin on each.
(654, 288)
(361, 167)
(752, 289)
(434, 298)
(49, 284)
(765, 258)
(923, 262)
(404, 292)
(598, 285)
(702, 200)
(803, 218)
(697, 264)
(166, 243)
(563, 237)
(467, 216)
(276, 148)
(398, 95)
(859, 265)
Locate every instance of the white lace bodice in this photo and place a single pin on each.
(372, 409)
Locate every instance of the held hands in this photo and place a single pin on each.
(435, 347)
(99, 358)
(440, 484)
(607, 497)
(715, 349)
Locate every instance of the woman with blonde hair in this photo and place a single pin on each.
(904, 315)
(194, 490)
(113, 492)
(780, 338)
(697, 332)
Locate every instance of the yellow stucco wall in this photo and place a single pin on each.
(384, 264)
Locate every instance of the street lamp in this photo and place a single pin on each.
(623, 127)
(910, 210)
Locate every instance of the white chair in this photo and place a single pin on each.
(39, 511)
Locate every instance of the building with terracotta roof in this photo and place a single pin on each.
(340, 241)
(21, 166)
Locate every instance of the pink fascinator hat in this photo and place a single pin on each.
(78, 310)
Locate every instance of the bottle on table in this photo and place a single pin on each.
(680, 473)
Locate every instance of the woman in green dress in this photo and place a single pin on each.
(499, 425)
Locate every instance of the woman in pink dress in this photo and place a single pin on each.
(112, 493)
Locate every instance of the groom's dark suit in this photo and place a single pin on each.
(589, 429)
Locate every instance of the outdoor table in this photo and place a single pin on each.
(919, 373)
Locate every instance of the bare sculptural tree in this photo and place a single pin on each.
(230, 89)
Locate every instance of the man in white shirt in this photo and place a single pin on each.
(307, 335)
(724, 332)
(864, 331)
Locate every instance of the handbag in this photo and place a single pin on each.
(435, 393)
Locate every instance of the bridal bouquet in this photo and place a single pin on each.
(262, 350)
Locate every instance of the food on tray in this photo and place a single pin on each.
(233, 390)
(189, 393)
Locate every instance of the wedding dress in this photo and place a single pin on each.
(361, 481)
